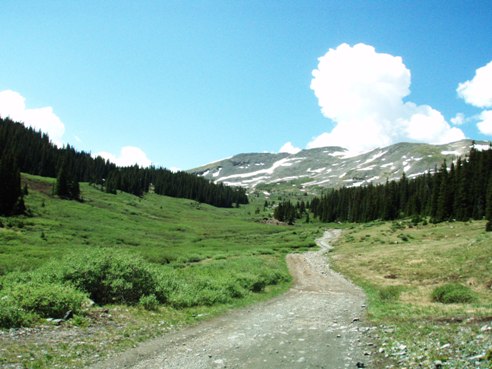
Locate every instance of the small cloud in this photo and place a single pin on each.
(289, 148)
(13, 105)
(129, 156)
(362, 92)
(485, 124)
(459, 119)
(478, 91)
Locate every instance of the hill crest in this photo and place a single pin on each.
(333, 166)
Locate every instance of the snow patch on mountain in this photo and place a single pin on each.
(217, 173)
(456, 153)
(482, 147)
(334, 166)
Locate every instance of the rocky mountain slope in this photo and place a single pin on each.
(334, 166)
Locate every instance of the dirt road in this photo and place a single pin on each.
(317, 324)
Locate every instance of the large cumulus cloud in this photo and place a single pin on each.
(362, 92)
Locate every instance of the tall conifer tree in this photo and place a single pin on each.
(11, 201)
(488, 209)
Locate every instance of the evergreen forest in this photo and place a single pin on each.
(23, 149)
(461, 192)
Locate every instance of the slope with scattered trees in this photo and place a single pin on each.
(30, 151)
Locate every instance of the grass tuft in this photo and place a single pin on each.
(453, 293)
(389, 293)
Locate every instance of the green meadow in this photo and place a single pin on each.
(163, 230)
(149, 263)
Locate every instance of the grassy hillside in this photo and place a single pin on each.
(161, 229)
(207, 260)
(400, 266)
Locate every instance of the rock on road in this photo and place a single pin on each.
(316, 324)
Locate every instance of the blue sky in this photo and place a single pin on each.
(184, 83)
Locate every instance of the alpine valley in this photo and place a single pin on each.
(334, 167)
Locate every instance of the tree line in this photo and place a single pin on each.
(23, 149)
(461, 192)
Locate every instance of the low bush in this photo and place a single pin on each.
(110, 276)
(11, 315)
(22, 304)
(453, 293)
(47, 300)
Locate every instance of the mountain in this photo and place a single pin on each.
(334, 166)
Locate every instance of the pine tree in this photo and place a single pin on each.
(61, 186)
(488, 209)
(67, 187)
(444, 201)
(11, 201)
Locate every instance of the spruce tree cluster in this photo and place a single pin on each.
(289, 213)
(11, 199)
(138, 181)
(461, 192)
(35, 154)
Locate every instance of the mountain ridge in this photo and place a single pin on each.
(334, 166)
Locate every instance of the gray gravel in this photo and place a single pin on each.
(319, 323)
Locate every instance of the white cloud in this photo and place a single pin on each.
(478, 91)
(458, 119)
(424, 124)
(13, 105)
(362, 92)
(129, 155)
(289, 148)
(485, 124)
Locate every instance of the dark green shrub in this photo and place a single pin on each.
(110, 276)
(246, 280)
(48, 300)
(258, 285)
(403, 237)
(453, 293)
(234, 290)
(11, 315)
